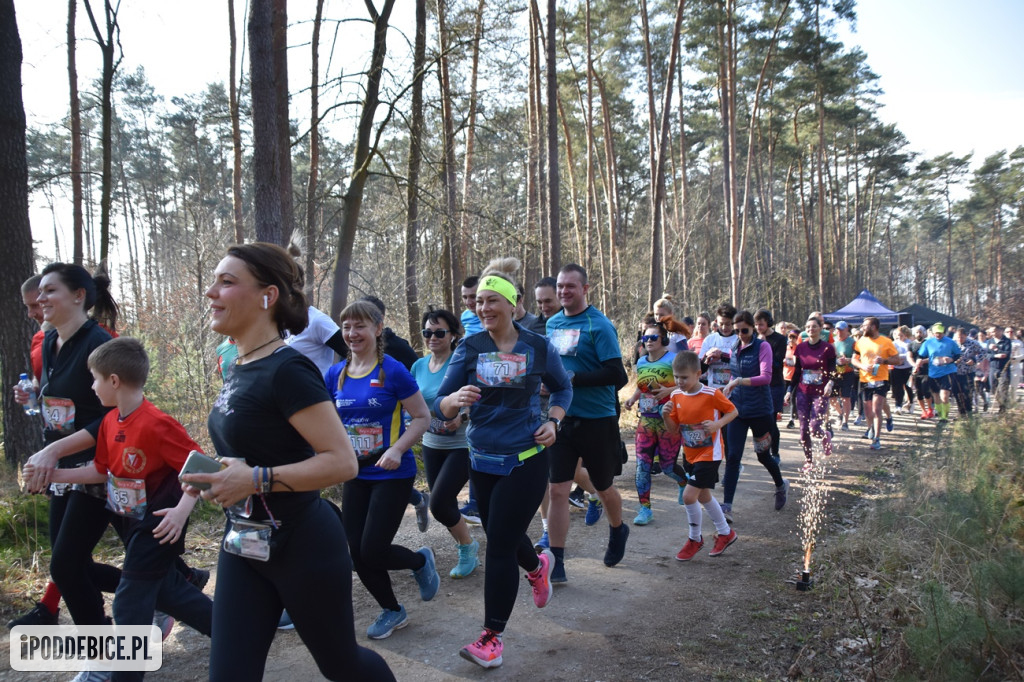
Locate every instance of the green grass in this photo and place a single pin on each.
(946, 549)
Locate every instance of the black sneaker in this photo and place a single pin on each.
(39, 615)
(616, 544)
(578, 498)
(199, 578)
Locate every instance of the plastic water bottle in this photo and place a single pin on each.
(25, 384)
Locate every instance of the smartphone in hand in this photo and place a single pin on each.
(198, 463)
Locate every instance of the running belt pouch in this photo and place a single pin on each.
(492, 463)
(248, 539)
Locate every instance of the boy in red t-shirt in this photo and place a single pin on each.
(700, 412)
(139, 452)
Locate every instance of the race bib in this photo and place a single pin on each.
(59, 414)
(437, 427)
(694, 436)
(649, 405)
(813, 377)
(501, 370)
(875, 384)
(367, 439)
(126, 496)
(565, 341)
(719, 375)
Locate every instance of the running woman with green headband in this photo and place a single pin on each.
(496, 375)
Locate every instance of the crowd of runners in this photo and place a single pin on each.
(519, 406)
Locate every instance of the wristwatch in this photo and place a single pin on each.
(557, 422)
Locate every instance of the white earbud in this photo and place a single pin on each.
(266, 301)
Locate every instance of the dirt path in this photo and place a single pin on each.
(737, 616)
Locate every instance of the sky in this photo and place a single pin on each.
(952, 71)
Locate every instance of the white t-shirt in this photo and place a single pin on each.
(718, 374)
(313, 339)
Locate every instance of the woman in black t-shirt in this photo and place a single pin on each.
(282, 441)
(78, 517)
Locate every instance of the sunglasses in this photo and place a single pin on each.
(439, 333)
(647, 338)
(743, 330)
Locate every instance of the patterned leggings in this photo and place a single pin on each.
(812, 410)
(653, 440)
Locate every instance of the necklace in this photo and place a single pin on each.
(243, 356)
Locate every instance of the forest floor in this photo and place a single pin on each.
(734, 617)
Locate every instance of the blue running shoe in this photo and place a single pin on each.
(888, 423)
(468, 560)
(285, 621)
(543, 543)
(643, 517)
(427, 577)
(387, 622)
(594, 511)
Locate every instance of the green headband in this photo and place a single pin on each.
(499, 285)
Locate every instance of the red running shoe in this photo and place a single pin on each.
(690, 549)
(723, 541)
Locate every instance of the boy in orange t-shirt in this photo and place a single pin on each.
(139, 452)
(700, 412)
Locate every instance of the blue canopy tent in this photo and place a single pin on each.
(865, 305)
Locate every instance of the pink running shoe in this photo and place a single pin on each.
(540, 579)
(486, 651)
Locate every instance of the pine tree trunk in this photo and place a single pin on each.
(21, 434)
(106, 40)
(236, 129)
(284, 144)
(314, 151)
(449, 227)
(554, 203)
(266, 164)
(76, 136)
(412, 221)
(465, 237)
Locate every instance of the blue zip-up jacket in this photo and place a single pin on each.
(750, 401)
(504, 419)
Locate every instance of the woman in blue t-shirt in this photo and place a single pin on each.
(445, 454)
(370, 390)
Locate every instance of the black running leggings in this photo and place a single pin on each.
(899, 380)
(372, 511)
(77, 522)
(310, 575)
(507, 506)
(447, 472)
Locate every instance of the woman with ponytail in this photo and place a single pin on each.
(78, 517)
(370, 390)
(678, 331)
